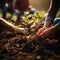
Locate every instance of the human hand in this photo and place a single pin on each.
(40, 30)
(21, 31)
(46, 33)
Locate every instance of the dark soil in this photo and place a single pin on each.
(15, 46)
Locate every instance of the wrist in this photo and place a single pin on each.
(48, 24)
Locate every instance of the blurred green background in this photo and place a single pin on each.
(38, 5)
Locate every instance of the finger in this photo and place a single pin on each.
(39, 32)
(42, 34)
(42, 38)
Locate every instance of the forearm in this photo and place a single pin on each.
(48, 23)
(51, 13)
(6, 25)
